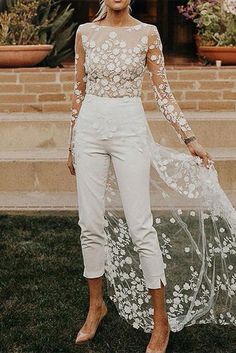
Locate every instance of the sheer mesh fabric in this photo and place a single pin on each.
(112, 62)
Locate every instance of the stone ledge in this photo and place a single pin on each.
(60, 154)
(67, 201)
(27, 131)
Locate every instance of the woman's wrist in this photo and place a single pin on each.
(189, 139)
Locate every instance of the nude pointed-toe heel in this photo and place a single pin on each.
(83, 337)
(148, 350)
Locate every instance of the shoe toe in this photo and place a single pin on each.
(82, 336)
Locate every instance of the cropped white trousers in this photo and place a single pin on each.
(114, 129)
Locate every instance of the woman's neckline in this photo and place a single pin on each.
(133, 26)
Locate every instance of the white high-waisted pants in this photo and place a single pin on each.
(115, 129)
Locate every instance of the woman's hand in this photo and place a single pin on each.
(197, 150)
(70, 163)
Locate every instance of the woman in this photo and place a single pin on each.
(112, 53)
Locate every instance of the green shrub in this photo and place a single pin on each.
(25, 22)
(215, 20)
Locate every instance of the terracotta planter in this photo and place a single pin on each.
(226, 54)
(23, 55)
(197, 42)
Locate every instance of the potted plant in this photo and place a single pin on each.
(35, 32)
(216, 28)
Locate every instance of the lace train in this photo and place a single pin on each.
(196, 227)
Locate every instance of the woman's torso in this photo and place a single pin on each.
(115, 59)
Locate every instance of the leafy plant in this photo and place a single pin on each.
(60, 30)
(19, 25)
(215, 20)
(39, 22)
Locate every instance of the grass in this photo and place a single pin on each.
(44, 296)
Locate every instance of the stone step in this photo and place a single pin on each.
(67, 201)
(24, 131)
(45, 170)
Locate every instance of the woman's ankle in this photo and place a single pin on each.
(96, 303)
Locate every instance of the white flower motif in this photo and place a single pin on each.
(128, 61)
(122, 44)
(136, 50)
(112, 35)
(116, 51)
(153, 57)
(110, 66)
(104, 82)
(84, 38)
(170, 108)
(96, 59)
(127, 309)
(140, 287)
(182, 121)
(197, 302)
(186, 286)
(116, 78)
(92, 44)
(144, 40)
(104, 46)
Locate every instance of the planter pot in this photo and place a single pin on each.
(197, 39)
(226, 54)
(23, 55)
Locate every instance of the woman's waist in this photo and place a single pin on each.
(111, 99)
(119, 115)
(118, 107)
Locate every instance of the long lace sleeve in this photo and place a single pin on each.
(80, 79)
(164, 97)
(80, 76)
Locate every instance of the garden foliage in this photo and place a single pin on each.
(215, 20)
(25, 22)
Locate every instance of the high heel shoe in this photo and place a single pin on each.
(148, 350)
(83, 337)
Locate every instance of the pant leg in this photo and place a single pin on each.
(91, 165)
(132, 168)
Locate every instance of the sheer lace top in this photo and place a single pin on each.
(111, 61)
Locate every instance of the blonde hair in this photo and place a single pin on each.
(101, 14)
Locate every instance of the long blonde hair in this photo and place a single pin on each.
(102, 12)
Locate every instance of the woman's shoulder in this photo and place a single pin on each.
(139, 23)
(83, 28)
(148, 28)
